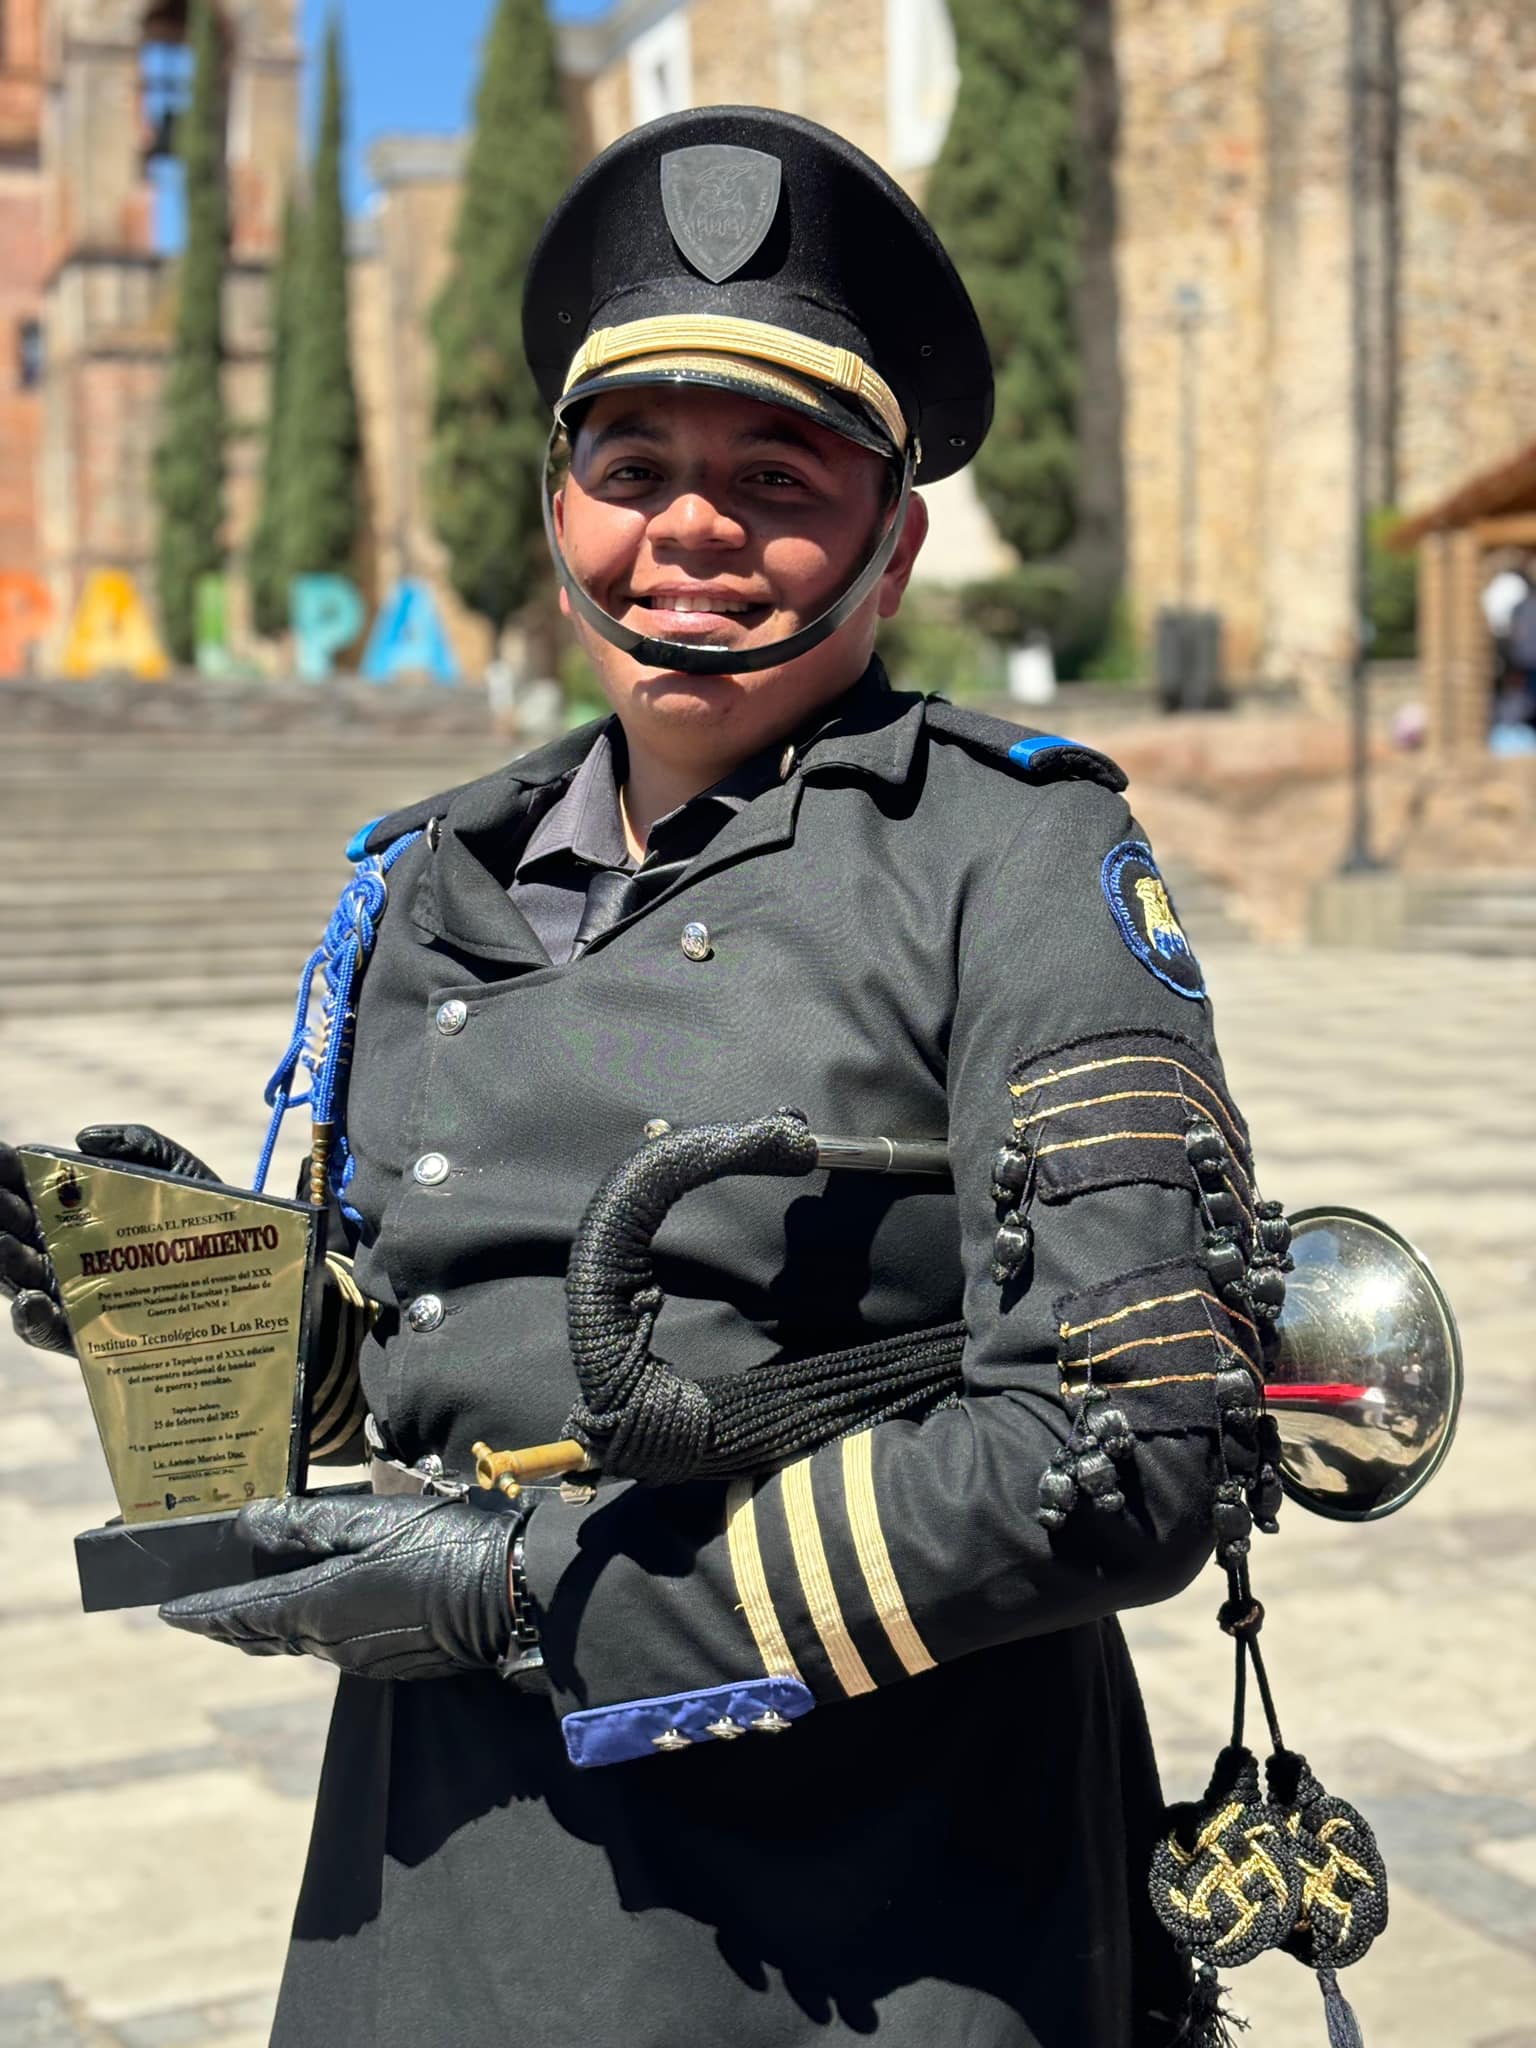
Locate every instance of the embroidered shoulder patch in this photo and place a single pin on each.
(1138, 897)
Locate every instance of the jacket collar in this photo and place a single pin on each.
(460, 893)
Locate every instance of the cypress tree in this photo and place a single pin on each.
(1022, 195)
(321, 467)
(189, 460)
(267, 564)
(489, 426)
(1002, 195)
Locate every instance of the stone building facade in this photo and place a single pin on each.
(401, 252)
(1242, 288)
(84, 286)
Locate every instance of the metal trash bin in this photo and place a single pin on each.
(1189, 660)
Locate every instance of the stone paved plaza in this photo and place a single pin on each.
(156, 1789)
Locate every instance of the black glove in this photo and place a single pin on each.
(407, 1589)
(25, 1272)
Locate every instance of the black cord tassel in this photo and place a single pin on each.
(1343, 2027)
(1207, 2022)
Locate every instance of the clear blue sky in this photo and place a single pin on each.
(409, 66)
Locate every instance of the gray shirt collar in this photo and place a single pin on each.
(586, 824)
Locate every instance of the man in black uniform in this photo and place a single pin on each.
(850, 1747)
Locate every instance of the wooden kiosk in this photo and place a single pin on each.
(1492, 511)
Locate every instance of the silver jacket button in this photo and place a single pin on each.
(695, 941)
(425, 1313)
(725, 1731)
(430, 1169)
(452, 1016)
(771, 1723)
(672, 1738)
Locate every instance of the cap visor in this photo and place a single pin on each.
(769, 386)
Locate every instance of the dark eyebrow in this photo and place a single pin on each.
(639, 426)
(785, 436)
(629, 426)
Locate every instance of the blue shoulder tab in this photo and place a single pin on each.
(1043, 756)
(357, 845)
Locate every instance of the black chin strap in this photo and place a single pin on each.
(682, 655)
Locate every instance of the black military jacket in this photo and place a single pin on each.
(929, 927)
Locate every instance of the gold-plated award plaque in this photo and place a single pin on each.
(189, 1303)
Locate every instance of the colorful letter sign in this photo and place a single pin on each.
(26, 612)
(408, 638)
(112, 632)
(327, 614)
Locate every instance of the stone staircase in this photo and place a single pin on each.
(1491, 912)
(166, 869)
(165, 849)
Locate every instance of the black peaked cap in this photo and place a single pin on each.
(845, 259)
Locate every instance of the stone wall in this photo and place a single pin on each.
(1234, 405)
(394, 285)
(23, 251)
(1468, 259)
(1234, 177)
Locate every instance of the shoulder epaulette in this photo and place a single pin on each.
(1042, 756)
(547, 763)
(381, 832)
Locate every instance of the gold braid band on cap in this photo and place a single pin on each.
(718, 334)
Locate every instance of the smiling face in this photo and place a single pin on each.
(695, 514)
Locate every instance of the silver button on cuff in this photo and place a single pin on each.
(695, 941)
(770, 1723)
(425, 1313)
(725, 1731)
(672, 1738)
(430, 1170)
(452, 1016)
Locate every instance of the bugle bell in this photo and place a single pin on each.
(1366, 1386)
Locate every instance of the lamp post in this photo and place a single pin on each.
(1358, 858)
(1188, 318)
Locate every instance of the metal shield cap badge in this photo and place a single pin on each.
(719, 202)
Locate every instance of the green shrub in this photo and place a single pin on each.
(1391, 591)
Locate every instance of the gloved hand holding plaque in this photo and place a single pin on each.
(189, 1304)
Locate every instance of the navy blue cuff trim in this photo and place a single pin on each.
(675, 1720)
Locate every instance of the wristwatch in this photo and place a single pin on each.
(524, 1656)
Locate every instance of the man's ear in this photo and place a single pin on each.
(914, 532)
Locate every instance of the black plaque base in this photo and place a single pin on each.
(145, 1563)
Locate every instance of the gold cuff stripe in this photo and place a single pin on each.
(875, 1558)
(343, 1431)
(340, 1270)
(1137, 1308)
(755, 339)
(1178, 1337)
(752, 1582)
(816, 1580)
(336, 1403)
(1136, 1059)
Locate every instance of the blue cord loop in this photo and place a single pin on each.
(340, 959)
